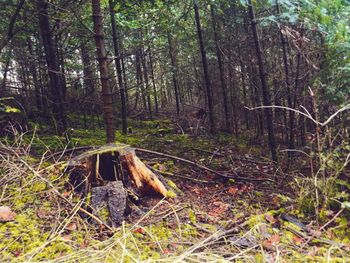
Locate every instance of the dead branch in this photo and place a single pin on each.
(222, 175)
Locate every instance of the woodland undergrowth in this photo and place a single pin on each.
(285, 217)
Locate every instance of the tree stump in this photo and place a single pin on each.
(108, 173)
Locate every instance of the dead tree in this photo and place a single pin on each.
(111, 172)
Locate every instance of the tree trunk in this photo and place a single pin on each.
(146, 83)
(89, 85)
(205, 68)
(118, 66)
(53, 67)
(103, 67)
(287, 80)
(174, 71)
(244, 88)
(264, 87)
(125, 85)
(153, 81)
(221, 70)
(32, 68)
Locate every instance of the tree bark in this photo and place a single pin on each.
(263, 78)
(32, 68)
(118, 66)
(9, 34)
(221, 70)
(174, 71)
(146, 83)
(153, 81)
(103, 67)
(287, 81)
(205, 68)
(52, 67)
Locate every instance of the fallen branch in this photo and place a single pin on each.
(227, 176)
(178, 175)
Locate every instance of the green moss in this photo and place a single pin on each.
(255, 220)
(192, 216)
(189, 231)
(231, 181)
(171, 194)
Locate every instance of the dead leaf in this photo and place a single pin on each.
(85, 244)
(270, 218)
(139, 230)
(297, 240)
(196, 190)
(6, 214)
(166, 251)
(272, 242)
(232, 190)
(220, 207)
(67, 237)
(72, 227)
(66, 194)
(43, 213)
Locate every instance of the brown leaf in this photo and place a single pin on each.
(43, 213)
(85, 244)
(219, 208)
(67, 237)
(270, 218)
(72, 227)
(139, 230)
(166, 251)
(297, 240)
(232, 190)
(272, 242)
(196, 190)
(66, 194)
(6, 214)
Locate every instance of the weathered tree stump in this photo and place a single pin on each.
(109, 172)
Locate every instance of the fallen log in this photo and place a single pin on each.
(95, 170)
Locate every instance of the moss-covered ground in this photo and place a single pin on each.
(208, 219)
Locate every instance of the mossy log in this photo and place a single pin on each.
(113, 162)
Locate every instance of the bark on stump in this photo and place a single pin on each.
(109, 172)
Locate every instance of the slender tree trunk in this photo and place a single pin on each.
(221, 70)
(205, 68)
(34, 74)
(146, 83)
(5, 71)
(89, 86)
(88, 82)
(53, 67)
(118, 66)
(287, 80)
(244, 88)
(264, 87)
(139, 79)
(103, 68)
(174, 71)
(125, 81)
(153, 81)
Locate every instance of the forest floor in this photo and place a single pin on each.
(259, 215)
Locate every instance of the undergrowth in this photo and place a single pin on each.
(174, 230)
